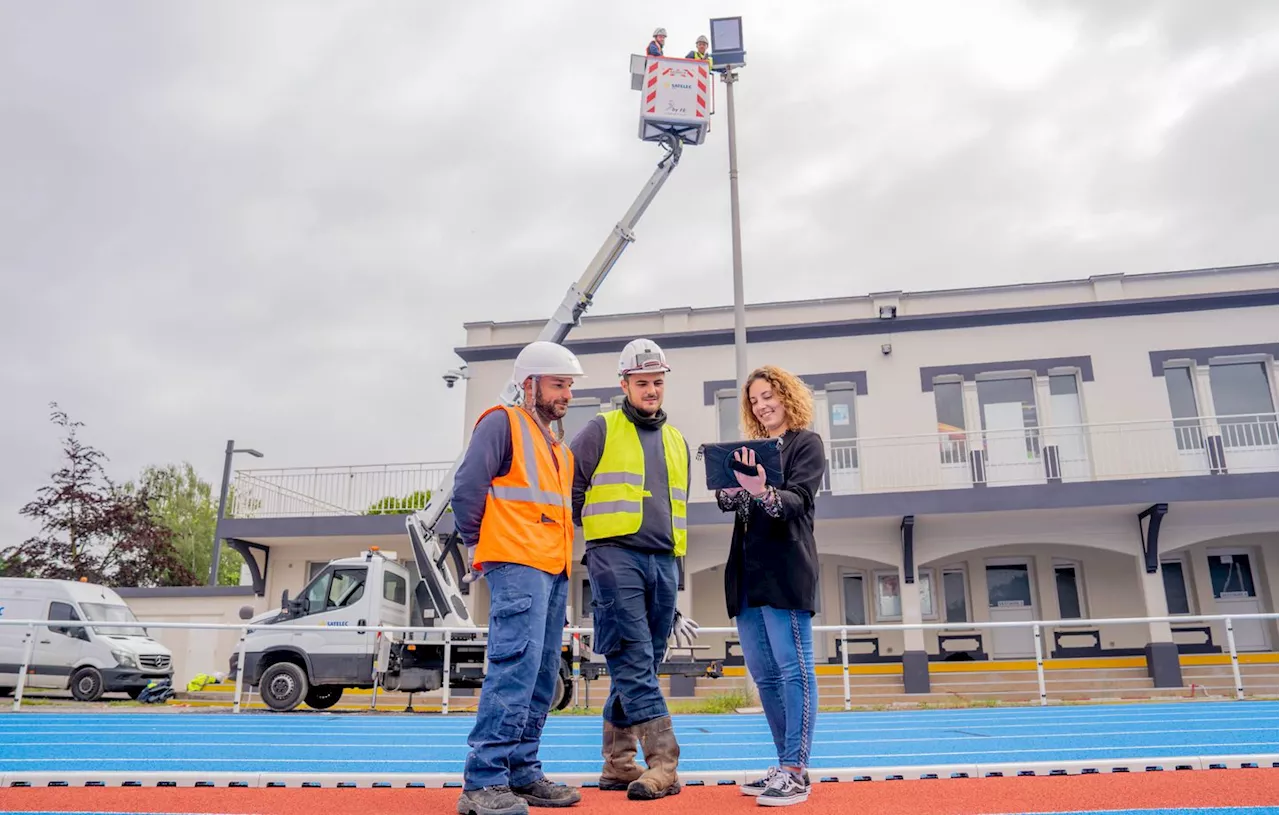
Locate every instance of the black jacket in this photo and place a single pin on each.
(775, 556)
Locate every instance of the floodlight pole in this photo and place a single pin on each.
(739, 305)
(730, 77)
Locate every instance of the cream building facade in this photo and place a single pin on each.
(1067, 451)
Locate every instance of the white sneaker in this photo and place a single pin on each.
(758, 786)
(784, 789)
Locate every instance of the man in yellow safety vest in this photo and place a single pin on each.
(700, 52)
(630, 493)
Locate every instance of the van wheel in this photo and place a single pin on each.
(283, 686)
(86, 685)
(563, 694)
(322, 697)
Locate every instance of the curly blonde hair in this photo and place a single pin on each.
(792, 392)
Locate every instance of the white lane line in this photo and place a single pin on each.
(685, 740)
(426, 728)
(1051, 714)
(683, 760)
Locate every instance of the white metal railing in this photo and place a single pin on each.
(1099, 451)
(314, 491)
(571, 636)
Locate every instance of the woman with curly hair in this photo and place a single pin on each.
(771, 579)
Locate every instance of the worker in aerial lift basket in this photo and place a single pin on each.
(656, 44)
(700, 52)
(630, 492)
(512, 509)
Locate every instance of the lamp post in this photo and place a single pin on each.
(727, 54)
(222, 505)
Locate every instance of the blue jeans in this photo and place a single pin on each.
(777, 645)
(526, 622)
(633, 606)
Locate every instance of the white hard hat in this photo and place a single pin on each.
(702, 40)
(659, 32)
(642, 356)
(544, 358)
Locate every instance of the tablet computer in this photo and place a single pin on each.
(720, 463)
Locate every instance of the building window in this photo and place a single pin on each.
(727, 414)
(855, 600)
(924, 579)
(1176, 595)
(842, 423)
(889, 599)
(1067, 577)
(948, 400)
(1182, 405)
(954, 596)
(1008, 413)
(1231, 576)
(579, 414)
(888, 602)
(1242, 401)
(585, 608)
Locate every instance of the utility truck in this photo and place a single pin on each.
(294, 667)
(349, 595)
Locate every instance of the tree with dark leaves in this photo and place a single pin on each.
(91, 528)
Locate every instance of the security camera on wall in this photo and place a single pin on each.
(452, 375)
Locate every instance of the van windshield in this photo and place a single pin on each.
(113, 614)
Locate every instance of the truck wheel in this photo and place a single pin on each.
(86, 685)
(564, 687)
(283, 686)
(322, 697)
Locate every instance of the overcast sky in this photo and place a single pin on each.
(268, 221)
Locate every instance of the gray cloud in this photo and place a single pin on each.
(270, 222)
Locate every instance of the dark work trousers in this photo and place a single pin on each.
(633, 608)
(526, 622)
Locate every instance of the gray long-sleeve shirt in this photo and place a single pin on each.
(654, 534)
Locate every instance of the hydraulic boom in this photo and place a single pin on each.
(437, 592)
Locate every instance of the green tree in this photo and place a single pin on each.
(92, 528)
(392, 505)
(184, 504)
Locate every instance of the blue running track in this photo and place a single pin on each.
(393, 744)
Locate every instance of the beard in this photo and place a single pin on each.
(549, 410)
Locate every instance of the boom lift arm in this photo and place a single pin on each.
(437, 591)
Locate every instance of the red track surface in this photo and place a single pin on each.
(971, 796)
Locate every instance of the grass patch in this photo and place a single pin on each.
(727, 702)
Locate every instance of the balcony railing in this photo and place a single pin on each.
(1030, 455)
(1046, 455)
(315, 491)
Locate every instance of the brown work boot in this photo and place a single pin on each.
(619, 751)
(662, 755)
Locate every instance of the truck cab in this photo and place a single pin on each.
(290, 668)
(347, 596)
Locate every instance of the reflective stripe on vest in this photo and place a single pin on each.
(614, 503)
(528, 514)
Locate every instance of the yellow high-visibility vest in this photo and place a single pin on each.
(614, 501)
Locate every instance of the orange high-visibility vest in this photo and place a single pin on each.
(528, 513)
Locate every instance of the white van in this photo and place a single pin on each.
(87, 660)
